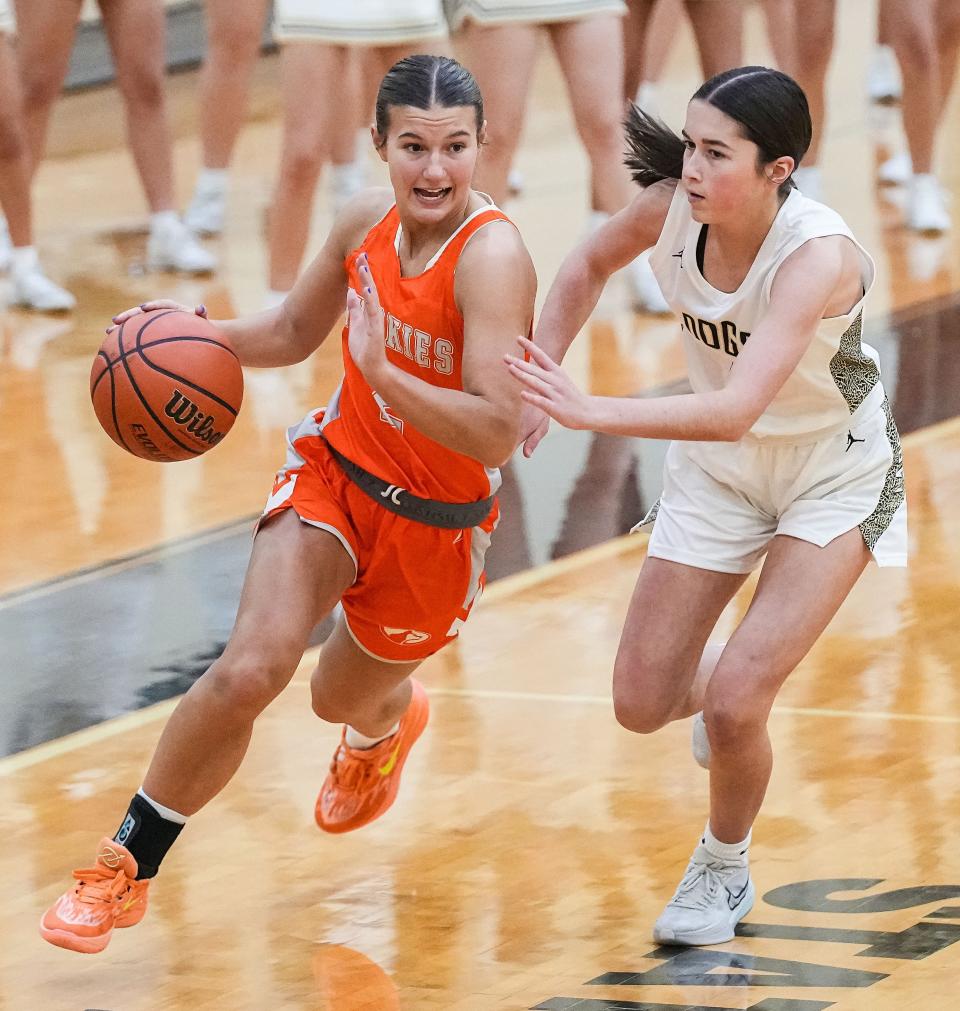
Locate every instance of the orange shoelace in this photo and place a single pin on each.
(352, 772)
(95, 885)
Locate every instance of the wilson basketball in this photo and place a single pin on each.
(166, 385)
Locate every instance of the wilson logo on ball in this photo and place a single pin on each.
(189, 417)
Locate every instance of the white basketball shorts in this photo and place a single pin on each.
(723, 502)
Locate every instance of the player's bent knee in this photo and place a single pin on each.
(248, 684)
(144, 92)
(300, 168)
(730, 724)
(39, 91)
(639, 716)
(601, 134)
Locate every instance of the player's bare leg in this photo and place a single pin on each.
(383, 710)
(207, 736)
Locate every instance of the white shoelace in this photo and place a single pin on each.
(688, 894)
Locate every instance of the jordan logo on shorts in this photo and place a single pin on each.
(851, 440)
(404, 636)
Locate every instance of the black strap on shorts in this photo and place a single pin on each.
(448, 515)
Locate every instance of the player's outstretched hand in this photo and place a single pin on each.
(366, 322)
(547, 386)
(533, 427)
(159, 303)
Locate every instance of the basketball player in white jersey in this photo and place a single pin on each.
(786, 447)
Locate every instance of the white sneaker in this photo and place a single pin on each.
(207, 212)
(32, 289)
(896, 171)
(809, 181)
(515, 182)
(174, 247)
(647, 296)
(700, 742)
(927, 206)
(6, 246)
(884, 83)
(713, 897)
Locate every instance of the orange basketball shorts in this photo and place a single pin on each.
(415, 584)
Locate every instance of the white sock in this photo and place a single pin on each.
(164, 221)
(165, 812)
(354, 739)
(24, 259)
(213, 181)
(731, 852)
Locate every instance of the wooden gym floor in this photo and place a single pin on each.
(534, 841)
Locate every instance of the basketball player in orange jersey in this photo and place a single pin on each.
(387, 498)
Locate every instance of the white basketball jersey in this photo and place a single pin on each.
(837, 377)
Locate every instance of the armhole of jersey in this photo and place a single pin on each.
(676, 223)
(366, 238)
(868, 269)
(466, 242)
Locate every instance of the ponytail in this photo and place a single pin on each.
(654, 152)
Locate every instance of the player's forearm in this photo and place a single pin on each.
(697, 417)
(268, 339)
(463, 422)
(572, 297)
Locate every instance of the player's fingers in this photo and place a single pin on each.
(354, 307)
(122, 317)
(532, 380)
(535, 438)
(537, 354)
(537, 401)
(160, 303)
(371, 296)
(519, 368)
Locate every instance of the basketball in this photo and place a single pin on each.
(166, 385)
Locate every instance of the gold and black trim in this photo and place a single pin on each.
(854, 371)
(892, 493)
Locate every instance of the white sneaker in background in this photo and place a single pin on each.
(172, 246)
(809, 181)
(206, 213)
(30, 288)
(927, 205)
(515, 182)
(713, 897)
(647, 296)
(700, 741)
(896, 171)
(208, 207)
(884, 83)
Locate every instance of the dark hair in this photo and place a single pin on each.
(424, 81)
(770, 107)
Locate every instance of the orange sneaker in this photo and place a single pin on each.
(105, 896)
(362, 784)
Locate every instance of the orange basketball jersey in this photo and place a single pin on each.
(424, 337)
